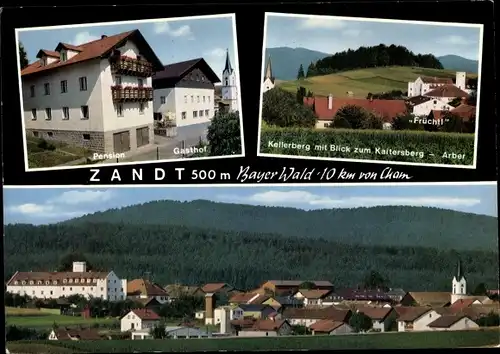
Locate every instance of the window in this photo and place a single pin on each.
(198, 99)
(65, 281)
(183, 115)
(140, 82)
(51, 292)
(119, 110)
(32, 91)
(163, 99)
(83, 83)
(85, 112)
(48, 113)
(208, 99)
(64, 56)
(64, 86)
(200, 113)
(195, 114)
(33, 114)
(46, 89)
(197, 77)
(206, 112)
(77, 280)
(185, 99)
(102, 289)
(192, 98)
(50, 134)
(227, 82)
(203, 99)
(63, 288)
(83, 289)
(70, 289)
(65, 113)
(141, 111)
(118, 80)
(435, 101)
(138, 57)
(202, 78)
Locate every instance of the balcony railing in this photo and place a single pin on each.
(132, 67)
(138, 94)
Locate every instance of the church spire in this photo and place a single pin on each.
(269, 69)
(228, 66)
(460, 273)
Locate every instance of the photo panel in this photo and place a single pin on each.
(130, 92)
(370, 90)
(389, 266)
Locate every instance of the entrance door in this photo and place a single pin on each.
(121, 142)
(142, 135)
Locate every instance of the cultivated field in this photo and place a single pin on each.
(394, 340)
(34, 318)
(363, 81)
(48, 154)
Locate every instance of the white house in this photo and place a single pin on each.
(235, 313)
(185, 92)
(268, 82)
(145, 289)
(139, 320)
(382, 317)
(424, 84)
(431, 104)
(452, 323)
(96, 95)
(53, 285)
(330, 327)
(415, 318)
(312, 297)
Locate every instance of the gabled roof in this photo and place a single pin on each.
(314, 294)
(254, 307)
(97, 49)
(447, 321)
(326, 326)
(462, 303)
(328, 313)
(388, 109)
(436, 80)
(176, 71)
(293, 283)
(214, 287)
(410, 313)
(56, 276)
(267, 325)
(449, 91)
(82, 334)
(416, 100)
(376, 313)
(145, 287)
(228, 66)
(48, 53)
(259, 299)
(431, 298)
(146, 314)
(242, 297)
(147, 301)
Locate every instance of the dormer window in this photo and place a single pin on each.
(16, 282)
(65, 281)
(39, 282)
(64, 55)
(55, 282)
(43, 61)
(70, 280)
(77, 280)
(23, 282)
(47, 282)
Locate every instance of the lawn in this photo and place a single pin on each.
(53, 153)
(363, 81)
(422, 340)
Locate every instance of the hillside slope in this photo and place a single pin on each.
(457, 63)
(363, 81)
(397, 226)
(286, 61)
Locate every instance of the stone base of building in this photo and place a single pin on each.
(110, 142)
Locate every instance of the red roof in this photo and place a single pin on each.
(242, 298)
(267, 325)
(448, 90)
(376, 313)
(462, 303)
(146, 314)
(464, 111)
(388, 109)
(325, 326)
(49, 53)
(436, 80)
(213, 287)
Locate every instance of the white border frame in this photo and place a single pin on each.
(155, 20)
(386, 162)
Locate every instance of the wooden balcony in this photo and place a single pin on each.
(132, 94)
(131, 67)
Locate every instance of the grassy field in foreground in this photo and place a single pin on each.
(394, 340)
(59, 154)
(416, 146)
(363, 81)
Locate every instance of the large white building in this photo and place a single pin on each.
(96, 95)
(422, 85)
(54, 285)
(268, 82)
(184, 92)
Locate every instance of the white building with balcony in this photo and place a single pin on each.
(80, 281)
(96, 95)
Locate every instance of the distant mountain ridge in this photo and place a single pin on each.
(383, 225)
(286, 61)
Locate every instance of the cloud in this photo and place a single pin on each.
(84, 37)
(454, 40)
(321, 23)
(310, 200)
(79, 197)
(43, 211)
(181, 31)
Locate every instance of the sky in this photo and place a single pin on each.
(49, 205)
(172, 40)
(331, 35)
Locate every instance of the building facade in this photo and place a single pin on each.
(184, 92)
(97, 95)
(422, 85)
(459, 285)
(139, 319)
(229, 89)
(268, 83)
(54, 285)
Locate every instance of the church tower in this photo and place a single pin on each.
(229, 89)
(459, 284)
(268, 83)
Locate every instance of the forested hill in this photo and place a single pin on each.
(190, 255)
(384, 225)
(370, 57)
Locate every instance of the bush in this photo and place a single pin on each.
(280, 108)
(44, 145)
(370, 142)
(224, 135)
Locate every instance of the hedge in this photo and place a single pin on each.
(427, 147)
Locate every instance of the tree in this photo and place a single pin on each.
(405, 122)
(480, 290)
(66, 262)
(452, 123)
(159, 331)
(300, 74)
(301, 93)
(374, 121)
(354, 115)
(307, 285)
(360, 322)
(280, 108)
(490, 320)
(23, 56)
(224, 134)
(374, 280)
